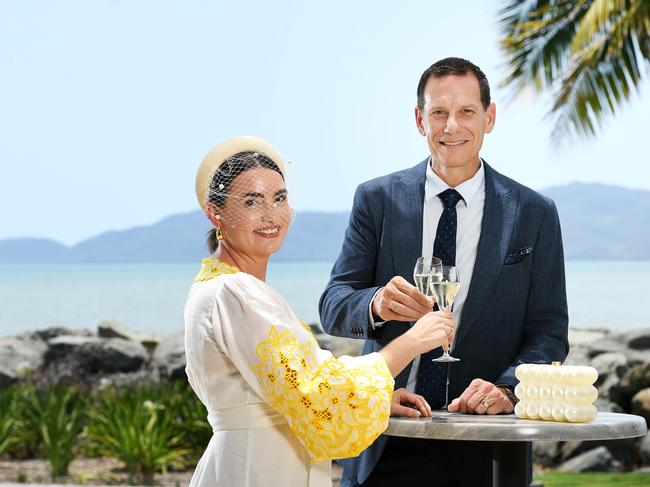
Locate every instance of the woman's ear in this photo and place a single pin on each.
(213, 214)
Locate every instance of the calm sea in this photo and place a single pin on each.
(150, 297)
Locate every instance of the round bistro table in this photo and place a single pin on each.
(510, 436)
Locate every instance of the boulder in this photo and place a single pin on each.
(92, 355)
(546, 453)
(169, 355)
(337, 345)
(622, 451)
(115, 329)
(604, 405)
(577, 356)
(605, 386)
(605, 345)
(638, 339)
(641, 404)
(19, 355)
(579, 337)
(644, 451)
(58, 331)
(610, 363)
(596, 460)
(634, 380)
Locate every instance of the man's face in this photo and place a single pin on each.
(454, 121)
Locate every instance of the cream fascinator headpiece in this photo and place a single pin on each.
(224, 151)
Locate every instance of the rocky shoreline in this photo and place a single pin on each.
(115, 355)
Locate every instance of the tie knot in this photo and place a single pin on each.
(450, 198)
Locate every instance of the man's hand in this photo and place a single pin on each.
(482, 397)
(406, 403)
(401, 301)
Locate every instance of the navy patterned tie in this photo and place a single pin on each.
(432, 376)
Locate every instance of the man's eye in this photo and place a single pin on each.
(468, 110)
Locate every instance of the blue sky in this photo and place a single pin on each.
(107, 107)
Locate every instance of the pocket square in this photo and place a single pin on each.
(518, 256)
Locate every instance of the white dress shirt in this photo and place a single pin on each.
(469, 212)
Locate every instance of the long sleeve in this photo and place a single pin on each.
(345, 302)
(336, 407)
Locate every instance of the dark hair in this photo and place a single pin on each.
(454, 66)
(226, 174)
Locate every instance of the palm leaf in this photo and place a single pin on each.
(590, 53)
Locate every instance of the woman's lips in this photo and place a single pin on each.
(268, 232)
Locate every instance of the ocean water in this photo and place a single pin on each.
(150, 297)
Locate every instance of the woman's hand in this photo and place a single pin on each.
(406, 403)
(434, 330)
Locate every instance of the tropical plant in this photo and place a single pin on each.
(7, 420)
(590, 53)
(59, 415)
(24, 431)
(191, 420)
(136, 426)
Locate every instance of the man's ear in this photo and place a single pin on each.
(419, 121)
(491, 117)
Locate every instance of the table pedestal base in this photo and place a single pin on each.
(510, 464)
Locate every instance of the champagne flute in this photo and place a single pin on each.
(425, 269)
(444, 286)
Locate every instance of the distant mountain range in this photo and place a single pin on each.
(598, 222)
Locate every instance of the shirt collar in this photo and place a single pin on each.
(468, 189)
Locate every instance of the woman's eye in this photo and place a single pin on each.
(251, 202)
(280, 198)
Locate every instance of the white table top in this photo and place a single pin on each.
(469, 427)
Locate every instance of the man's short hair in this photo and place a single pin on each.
(454, 66)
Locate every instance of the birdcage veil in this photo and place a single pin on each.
(241, 183)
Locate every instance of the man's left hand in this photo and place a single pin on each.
(482, 397)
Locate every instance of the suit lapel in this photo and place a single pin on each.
(496, 229)
(407, 202)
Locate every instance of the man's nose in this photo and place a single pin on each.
(450, 124)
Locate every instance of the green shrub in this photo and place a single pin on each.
(59, 415)
(7, 421)
(26, 438)
(137, 426)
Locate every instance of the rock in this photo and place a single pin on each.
(641, 404)
(610, 363)
(605, 387)
(644, 451)
(636, 357)
(577, 356)
(169, 355)
(596, 460)
(337, 345)
(546, 453)
(634, 380)
(605, 345)
(58, 331)
(580, 337)
(115, 329)
(623, 451)
(606, 406)
(639, 339)
(92, 355)
(18, 356)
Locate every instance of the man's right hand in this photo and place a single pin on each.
(400, 301)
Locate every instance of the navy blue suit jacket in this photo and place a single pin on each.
(515, 311)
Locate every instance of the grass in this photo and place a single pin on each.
(594, 479)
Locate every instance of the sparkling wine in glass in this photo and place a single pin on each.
(426, 268)
(444, 286)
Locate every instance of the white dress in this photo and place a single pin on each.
(280, 407)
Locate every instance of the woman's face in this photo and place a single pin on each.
(256, 214)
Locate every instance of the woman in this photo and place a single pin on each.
(280, 407)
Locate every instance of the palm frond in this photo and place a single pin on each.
(592, 53)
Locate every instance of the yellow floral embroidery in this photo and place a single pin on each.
(335, 411)
(211, 268)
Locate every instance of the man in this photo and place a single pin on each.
(505, 241)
